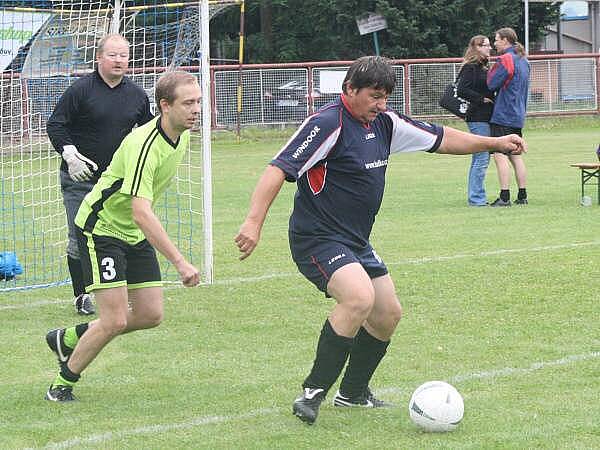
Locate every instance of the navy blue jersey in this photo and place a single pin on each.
(339, 164)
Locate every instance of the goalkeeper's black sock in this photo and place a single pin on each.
(365, 355)
(522, 195)
(76, 276)
(332, 353)
(505, 195)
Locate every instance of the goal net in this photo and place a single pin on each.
(51, 46)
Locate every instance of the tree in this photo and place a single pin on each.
(313, 30)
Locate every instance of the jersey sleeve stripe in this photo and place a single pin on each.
(139, 168)
(302, 125)
(410, 135)
(322, 151)
(98, 205)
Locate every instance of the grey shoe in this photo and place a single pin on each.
(60, 394)
(521, 201)
(500, 202)
(83, 305)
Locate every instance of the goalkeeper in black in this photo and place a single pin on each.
(86, 127)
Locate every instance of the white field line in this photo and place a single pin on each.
(508, 371)
(23, 305)
(429, 259)
(545, 248)
(209, 420)
(424, 260)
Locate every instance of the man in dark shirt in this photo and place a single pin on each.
(338, 158)
(87, 126)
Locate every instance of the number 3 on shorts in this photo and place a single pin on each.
(108, 264)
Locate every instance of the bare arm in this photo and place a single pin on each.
(456, 142)
(145, 218)
(265, 192)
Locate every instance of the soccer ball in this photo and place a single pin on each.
(436, 407)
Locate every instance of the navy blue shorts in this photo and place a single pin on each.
(317, 259)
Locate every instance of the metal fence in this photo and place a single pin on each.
(287, 93)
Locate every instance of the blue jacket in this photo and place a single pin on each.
(509, 78)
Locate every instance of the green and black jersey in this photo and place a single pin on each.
(143, 166)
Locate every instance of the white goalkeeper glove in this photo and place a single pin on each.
(79, 166)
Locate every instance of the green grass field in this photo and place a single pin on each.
(502, 303)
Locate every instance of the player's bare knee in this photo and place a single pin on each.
(360, 304)
(154, 319)
(114, 327)
(395, 313)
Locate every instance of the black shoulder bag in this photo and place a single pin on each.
(450, 101)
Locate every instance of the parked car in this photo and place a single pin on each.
(287, 103)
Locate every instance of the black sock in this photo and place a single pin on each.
(332, 353)
(505, 195)
(76, 276)
(522, 195)
(66, 373)
(365, 355)
(80, 329)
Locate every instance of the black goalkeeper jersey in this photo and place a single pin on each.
(95, 118)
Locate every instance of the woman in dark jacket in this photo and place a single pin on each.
(473, 87)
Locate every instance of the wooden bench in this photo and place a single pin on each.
(589, 173)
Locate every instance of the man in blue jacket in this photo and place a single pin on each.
(509, 78)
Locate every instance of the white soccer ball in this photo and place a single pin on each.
(436, 407)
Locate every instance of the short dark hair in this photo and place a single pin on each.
(167, 83)
(371, 71)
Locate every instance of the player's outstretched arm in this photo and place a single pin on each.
(145, 218)
(265, 192)
(456, 142)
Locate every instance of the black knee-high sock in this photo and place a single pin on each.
(76, 276)
(332, 353)
(365, 355)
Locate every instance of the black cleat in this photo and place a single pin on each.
(499, 202)
(56, 341)
(366, 400)
(306, 407)
(60, 394)
(83, 305)
(521, 201)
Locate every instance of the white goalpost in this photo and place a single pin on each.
(52, 48)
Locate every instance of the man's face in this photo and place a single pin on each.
(501, 44)
(183, 113)
(367, 102)
(114, 59)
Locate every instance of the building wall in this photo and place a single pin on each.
(577, 35)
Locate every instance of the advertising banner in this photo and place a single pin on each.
(16, 30)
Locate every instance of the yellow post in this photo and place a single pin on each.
(240, 62)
